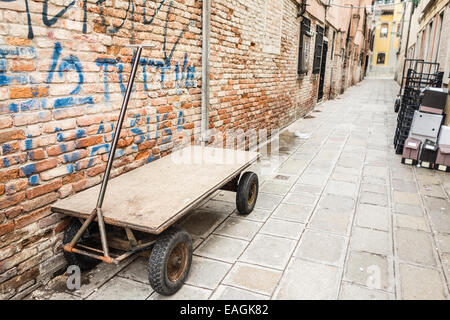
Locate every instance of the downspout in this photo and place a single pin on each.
(409, 29)
(206, 49)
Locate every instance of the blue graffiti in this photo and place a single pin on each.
(29, 145)
(105, 63)
(20, 52)
(7, 80)
(72, 63)
(29, 169)
(72, 157)
(103, 148)
(68, 63)
(49, 22)
(150, 21)
(33, 180)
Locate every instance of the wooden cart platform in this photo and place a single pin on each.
(153, 197)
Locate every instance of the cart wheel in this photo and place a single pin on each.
(399, 149)
(85, 263)
(397, 105)
(170, 261)
(247, 193)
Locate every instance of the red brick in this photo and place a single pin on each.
(142, 155)
(123, 143)
(8, 136)
(6, 122)
(16, 41)
(90, 120)
(147, 145)
(12, 147)
(79, 185)
(11, 213)
(16, 186)
(73, 178)
(27, 92)
(38, 154)
(89, 141)
(8, 201)
(61, 226)
(43, 189)
(13, 160)
(39, 202)
(40, 166)
(22, 66)
(6, 227)
(164, 109)
(31, 217)
(59, 149)
(92, 172)
(19, 280)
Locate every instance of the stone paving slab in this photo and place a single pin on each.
(338, 217)
(304, 280)
(253, 278)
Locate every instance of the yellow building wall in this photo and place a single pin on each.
(384, 44)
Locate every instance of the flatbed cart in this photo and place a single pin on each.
(136, 211)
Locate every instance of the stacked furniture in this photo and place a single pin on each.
(420, 76)
(427, 132)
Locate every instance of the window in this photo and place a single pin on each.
(332, 45)
(381, 57)
(428, 45)
(384, 30)
(318, 50)
(304, 46)
(438, 46)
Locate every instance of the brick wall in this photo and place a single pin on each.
(63, 73)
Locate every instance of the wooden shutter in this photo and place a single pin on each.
(318, 50)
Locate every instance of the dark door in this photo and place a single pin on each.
(323, 67)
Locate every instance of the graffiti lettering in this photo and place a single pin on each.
(49, 22)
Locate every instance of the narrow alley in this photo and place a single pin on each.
(341, 218)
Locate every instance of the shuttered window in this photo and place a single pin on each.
(304, 46)
(318, 50)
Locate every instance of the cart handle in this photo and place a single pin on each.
(123, 112)
(98, 210)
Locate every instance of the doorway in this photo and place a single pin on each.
(323, 68)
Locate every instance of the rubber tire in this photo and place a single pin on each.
(399, 149)
(243, 190)
(397, 105)
(83, 262)
(157, 269)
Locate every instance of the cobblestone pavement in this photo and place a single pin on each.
(339, 218)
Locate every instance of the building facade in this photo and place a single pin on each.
(428, 36)
(386, 31)
(63, 74)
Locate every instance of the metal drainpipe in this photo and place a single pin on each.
(206, 31)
